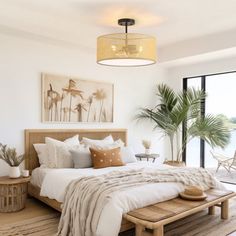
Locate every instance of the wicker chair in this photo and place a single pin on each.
(224, 161)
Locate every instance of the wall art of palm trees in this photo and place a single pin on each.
(66, 99)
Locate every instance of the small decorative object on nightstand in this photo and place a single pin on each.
(9, 155)
(152, 156)
(147, 145)
(25, 173)
(13, 193)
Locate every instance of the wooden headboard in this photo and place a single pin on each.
(38, 136)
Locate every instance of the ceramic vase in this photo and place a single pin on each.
(14, 172)
(147, 151)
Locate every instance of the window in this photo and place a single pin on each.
(221, 100)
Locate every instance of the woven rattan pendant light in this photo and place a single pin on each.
(126, 49)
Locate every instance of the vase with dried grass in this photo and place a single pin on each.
(9, 155)
(147, 145)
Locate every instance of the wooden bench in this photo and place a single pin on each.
(156, 216)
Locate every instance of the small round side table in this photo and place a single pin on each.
(152, 156)
(13, 193)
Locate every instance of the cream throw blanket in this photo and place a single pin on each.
(86, 196)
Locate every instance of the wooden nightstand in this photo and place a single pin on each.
(13, 193)
(141, 156)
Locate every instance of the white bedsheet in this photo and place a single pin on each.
(56, 181)
(38, 176)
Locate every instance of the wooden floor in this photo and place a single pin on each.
(34, 208)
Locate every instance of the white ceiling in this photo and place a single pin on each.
(79, 22)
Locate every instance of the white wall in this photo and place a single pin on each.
(205, 44)
(217, 65)
(21, 63)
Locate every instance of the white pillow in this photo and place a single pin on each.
(128, 155)
(58, 152)
(72, 141)
(104, 146)
(42, 151)
(97, 142)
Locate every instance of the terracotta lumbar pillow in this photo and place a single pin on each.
(106, 158)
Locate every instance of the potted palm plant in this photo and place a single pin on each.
(174, 110)
(9, 155)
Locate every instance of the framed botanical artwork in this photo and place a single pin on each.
(66, 99)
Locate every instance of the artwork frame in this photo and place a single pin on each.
(67, 99)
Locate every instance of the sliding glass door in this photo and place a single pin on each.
(221, 91)
(221, 100)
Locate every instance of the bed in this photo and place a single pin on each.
(38, 136)
(126, 201)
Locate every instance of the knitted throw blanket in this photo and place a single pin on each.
(86, 197)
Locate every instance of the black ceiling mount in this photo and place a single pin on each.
(126, 22)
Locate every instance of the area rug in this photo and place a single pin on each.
(38, 226)
(200, 224)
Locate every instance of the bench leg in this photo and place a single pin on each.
(159, 231)
(139, 230)
(225, 210)
(211, 210)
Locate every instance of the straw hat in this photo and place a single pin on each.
(193, 193)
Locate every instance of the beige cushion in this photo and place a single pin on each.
(106, 158)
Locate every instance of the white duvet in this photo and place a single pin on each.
(56, 180)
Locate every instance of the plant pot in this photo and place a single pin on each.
(14, 172)
(147, 151)
(175, 163)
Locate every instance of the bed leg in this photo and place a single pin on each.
(211, 210)
(159, 231)
(139, 230)
(225, 210)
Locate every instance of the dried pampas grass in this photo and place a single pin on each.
(147, 144)
(9, 155)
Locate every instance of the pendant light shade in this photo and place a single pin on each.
(126, 49)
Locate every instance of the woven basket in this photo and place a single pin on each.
(12, 197)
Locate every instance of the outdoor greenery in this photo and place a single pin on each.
(229, 122)
(175, 109)
(233, 122)
(9, 155)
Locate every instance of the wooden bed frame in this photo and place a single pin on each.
(128, 222)
(38, 136)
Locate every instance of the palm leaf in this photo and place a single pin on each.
(211, 129)
(167, 97)
(160, 119)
